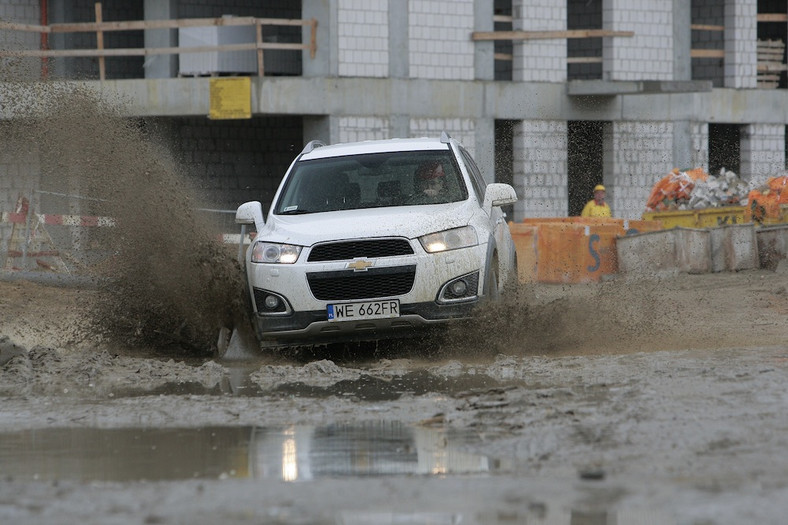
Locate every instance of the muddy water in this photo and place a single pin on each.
(172, 281)
(292, 453)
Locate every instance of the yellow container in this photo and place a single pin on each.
(705, 218)
(671, 219)
(723, 216)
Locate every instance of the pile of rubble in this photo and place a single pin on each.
(695, 189)
(727, 189)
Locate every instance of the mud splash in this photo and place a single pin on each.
(170, 281)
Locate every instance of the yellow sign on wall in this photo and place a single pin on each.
(231, 98)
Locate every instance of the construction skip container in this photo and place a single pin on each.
(703, 218)
(570, 249)
(772, 246)
(734, 247)
(677, 250)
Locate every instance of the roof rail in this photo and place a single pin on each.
(311, 145)
(445, 137)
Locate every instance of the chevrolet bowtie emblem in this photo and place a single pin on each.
(360, 265)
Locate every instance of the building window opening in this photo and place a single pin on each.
(585, 161)
(724, 148)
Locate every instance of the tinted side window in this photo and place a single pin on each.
(477, 181)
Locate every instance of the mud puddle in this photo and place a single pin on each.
(292, 453)
(240, 381)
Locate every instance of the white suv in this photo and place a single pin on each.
(359, 244)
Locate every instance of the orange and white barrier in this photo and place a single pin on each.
(571, 249)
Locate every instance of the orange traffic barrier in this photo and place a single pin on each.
(571, 249)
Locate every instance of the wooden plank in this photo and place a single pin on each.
(706, 27)
(503, 56)
(119, 52)
(772, 17)
(707, 53)
(547, 35)
(584, 60)
(100, 43)
(8, 26)
(136, 25)
(772, 67)
(504, 19)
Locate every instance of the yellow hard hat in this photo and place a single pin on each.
(599, 187)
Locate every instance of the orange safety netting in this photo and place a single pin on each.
(764, 202)
(674, 189)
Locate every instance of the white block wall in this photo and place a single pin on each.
(648, 55)
(540, 168)
(762, 152)
(741, 43)
(363, 38)
(539, 60)
(440, 39)
(461, 129)
(636, 156)
(355, 129)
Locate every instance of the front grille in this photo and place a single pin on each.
(348, 285)
(348, 250)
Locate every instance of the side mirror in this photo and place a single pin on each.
(499, 194)
(250, 213)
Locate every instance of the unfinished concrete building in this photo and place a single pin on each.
(553, 96)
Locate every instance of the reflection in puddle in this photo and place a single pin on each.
(295, 453)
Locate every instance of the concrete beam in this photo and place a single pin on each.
(622, 87)
(403, 98)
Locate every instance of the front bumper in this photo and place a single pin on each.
(313, 327)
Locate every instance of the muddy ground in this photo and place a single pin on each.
(622, 402)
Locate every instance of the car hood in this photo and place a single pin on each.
(401, 221)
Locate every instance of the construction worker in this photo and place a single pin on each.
(597, 207)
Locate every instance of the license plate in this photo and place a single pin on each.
(362, 311)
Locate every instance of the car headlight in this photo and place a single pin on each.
(274, 253)
(449, 239)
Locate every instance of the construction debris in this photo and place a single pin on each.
(695, 189)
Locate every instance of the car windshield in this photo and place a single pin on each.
(372, 180)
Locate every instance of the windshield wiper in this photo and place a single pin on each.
(295, 212)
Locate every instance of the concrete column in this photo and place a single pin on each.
(484, 52)
(399, 66)
(539, 60)
(741, 43)
(161, 66)
(636, 156)
(484, 129)
(325, 62)
(325, 128)
(682, 144)
(682, 40)
(690, 145)
(648, 55)
(540, 169)
(762, 151)
(699, 137)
